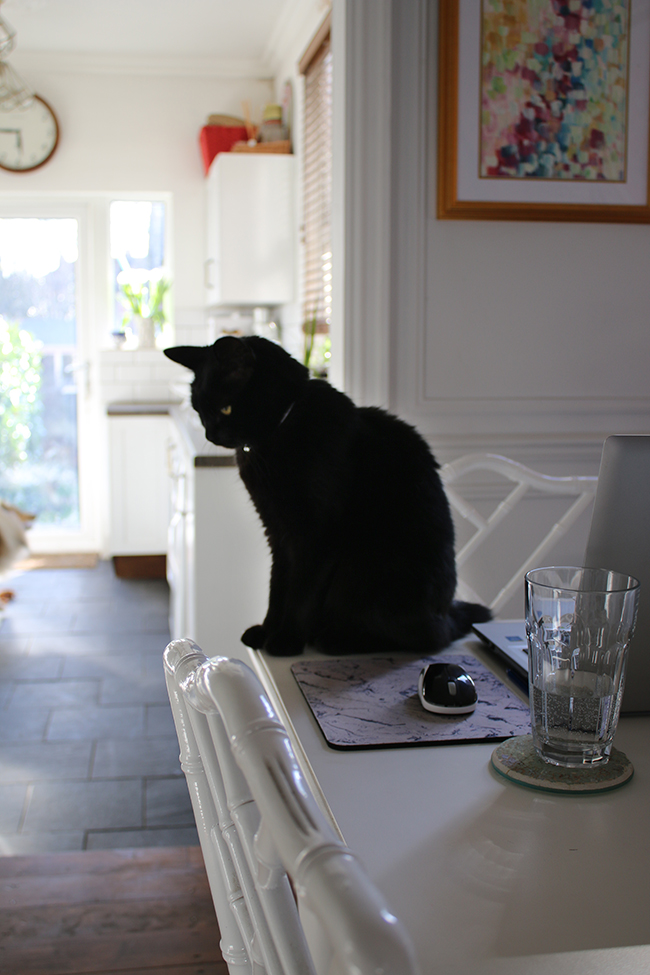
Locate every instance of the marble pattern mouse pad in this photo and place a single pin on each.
(372, 702)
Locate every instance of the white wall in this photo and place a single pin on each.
(527, 339)
(132, 125)
(534, 338)
(530, 337)
(129, 126)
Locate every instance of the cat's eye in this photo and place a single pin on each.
(226, 410)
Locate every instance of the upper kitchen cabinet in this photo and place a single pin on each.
(251, 229)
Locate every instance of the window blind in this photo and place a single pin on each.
(317, 183)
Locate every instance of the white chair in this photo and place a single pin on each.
(259, 825)
(582, 489)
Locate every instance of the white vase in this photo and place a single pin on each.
(144, 331)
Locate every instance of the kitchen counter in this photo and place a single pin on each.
(201, 451)
(139, 408)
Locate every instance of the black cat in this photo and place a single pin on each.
(360, 530)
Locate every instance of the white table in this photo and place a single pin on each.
(489, 877)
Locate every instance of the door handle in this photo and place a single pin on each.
(80, 366)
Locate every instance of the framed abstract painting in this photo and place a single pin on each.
(544, 110)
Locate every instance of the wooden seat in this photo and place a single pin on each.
(127, 912)
(579, 491)
(290, 897)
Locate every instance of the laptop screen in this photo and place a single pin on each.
(619, 539)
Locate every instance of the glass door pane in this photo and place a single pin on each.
(137, 232)
(38, 354)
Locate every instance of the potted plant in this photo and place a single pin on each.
(317, 346)
(144, 291)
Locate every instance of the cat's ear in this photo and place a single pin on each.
(192, 357)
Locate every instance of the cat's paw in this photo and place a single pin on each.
(254, 637)
(283, 645)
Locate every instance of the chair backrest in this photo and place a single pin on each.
(582, 489)
(290, 897)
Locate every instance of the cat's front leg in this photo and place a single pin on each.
(277, 634)
(256, 636)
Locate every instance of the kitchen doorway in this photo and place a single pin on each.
(45, 402)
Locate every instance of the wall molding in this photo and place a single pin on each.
(475, 424)
(459, 424)
(560, 456)
(409, 163)
(143, 65)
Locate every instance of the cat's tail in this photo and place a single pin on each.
(463, 615)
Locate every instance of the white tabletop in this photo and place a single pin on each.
(489, 876)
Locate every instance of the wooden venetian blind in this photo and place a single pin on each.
(317, 175)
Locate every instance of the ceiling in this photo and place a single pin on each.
(220, 29)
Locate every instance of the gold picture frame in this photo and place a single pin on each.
(464, 194)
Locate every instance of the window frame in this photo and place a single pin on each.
(316, 231)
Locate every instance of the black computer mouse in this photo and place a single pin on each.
(446, 689)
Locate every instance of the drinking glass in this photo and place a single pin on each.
(579, 623)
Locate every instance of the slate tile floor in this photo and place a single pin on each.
(88, 752)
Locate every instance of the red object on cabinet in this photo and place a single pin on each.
(219, 138)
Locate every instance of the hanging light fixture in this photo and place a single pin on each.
(29, 130)
(14, 93)
(7, 34)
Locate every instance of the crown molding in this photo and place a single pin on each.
(145, 65)
(294, 28)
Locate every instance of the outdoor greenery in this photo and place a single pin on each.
(38, 395)
(317, 346)
(20, 401)
(36, 473)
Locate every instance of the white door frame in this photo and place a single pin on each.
(379, 154)
(86, 539)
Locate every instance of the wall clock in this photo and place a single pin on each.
(28, 136)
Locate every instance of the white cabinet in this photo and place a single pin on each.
(218, 562)
(251, 229)
(139, 486)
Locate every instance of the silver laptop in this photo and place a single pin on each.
(619, 539)
(507, 640)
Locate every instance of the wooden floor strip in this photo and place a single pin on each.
(66, 560)
(115, 912)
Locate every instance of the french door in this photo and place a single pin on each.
(48, 412)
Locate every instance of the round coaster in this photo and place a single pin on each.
(517, 761)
